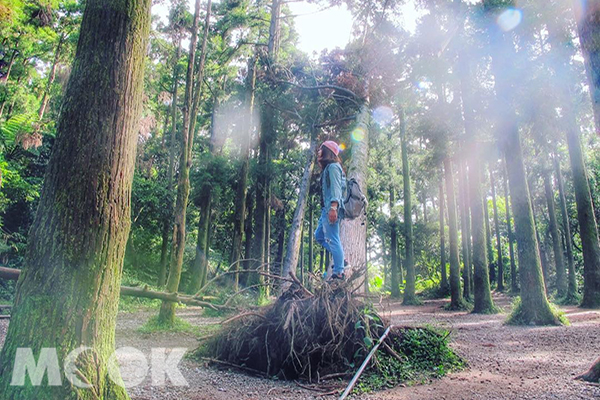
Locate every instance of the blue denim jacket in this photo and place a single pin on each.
(333, 188)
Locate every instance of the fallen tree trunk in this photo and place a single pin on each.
(13, 274)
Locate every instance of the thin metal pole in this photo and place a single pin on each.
(364, 364)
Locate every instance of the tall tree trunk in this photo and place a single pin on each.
(541, 245)
(167, 310)
(572, 282)
(352, 232)
(67, 295)
(534, 307)
(514, 282)
(561, 278)
(500, 261)
(588, 230)
(587, 15)
(409, 288)
(162, 275)
(248, 230)
(311, 242)
(295, 236)
(199, 268)
(488, 242)
(242, 186)
(481, 278)
(456, 299)
(465, 234)
(444, 282)
(395, 282)
(51, 76)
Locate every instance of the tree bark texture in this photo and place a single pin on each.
(561, 278)
(67, 295)
(444, 281)
(409, 288)
(242, 186)
(464, 229)
(534, 308)
(352, 232)
(456, 298)
(488, 242)
(167, 309)
(162, 275)
(290, 261)
(500, 261)
(572, 281)
(514, 282)
(395, 281)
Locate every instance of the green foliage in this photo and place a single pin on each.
(424, 354)
(153, 326)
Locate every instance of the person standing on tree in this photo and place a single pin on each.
(333, 185)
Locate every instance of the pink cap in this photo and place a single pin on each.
(333, 146)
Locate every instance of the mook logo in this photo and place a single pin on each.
(127, 367)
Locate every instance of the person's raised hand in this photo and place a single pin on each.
(332, 215)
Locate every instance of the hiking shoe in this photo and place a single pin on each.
(340, 277)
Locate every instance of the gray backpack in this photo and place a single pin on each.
(355, 203)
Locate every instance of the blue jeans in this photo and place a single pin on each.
(328, 236)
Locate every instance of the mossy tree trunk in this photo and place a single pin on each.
(456, 299)
(500, 261)
(395, 281)
(561, 278)
(162, 274)
(572, 281)
(535, 308)
(488, 242)
(444, 272)
(409, 288)
(67, 295)
(242, 186)
(193, 84)
(514, 282)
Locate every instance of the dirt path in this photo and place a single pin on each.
(505, 362)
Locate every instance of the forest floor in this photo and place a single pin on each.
(504, 362)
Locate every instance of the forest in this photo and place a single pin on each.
(161, 182)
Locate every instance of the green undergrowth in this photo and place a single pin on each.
(130, 304)
(569, 300)
(518, 316)
(153, 326)
(425, 355)
(462, 306)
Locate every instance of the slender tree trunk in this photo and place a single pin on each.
(488, 242)
(561, 278)
(242, 187)
(541, 245)
(409, 288)
(295, 236)
(311, 242)
(167, 310)
(456, 299)
(248, 231)
(395, 282)
(572, 282)
(465, 235)
(500, 261)
(162, 275)
(444, 282)
(514, 285)
(51, 77)
(199, 268)
(67, 295)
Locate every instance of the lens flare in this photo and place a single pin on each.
(383, 115)
(358, 134)
(510, 19)
(342, 147)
